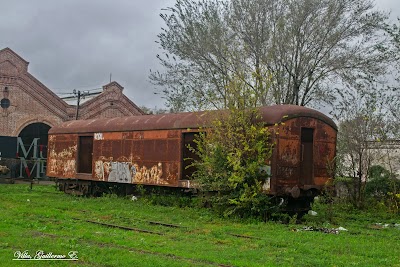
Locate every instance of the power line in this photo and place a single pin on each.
(87, 90)
(82, 94)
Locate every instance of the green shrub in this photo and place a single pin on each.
(231, 154)
(380, 182)
(382, 189)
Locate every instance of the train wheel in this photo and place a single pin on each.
(298, 206)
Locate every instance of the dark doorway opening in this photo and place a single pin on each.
(85, 154)
(188, 156)
(31, 151)
(307, 163)
(32, 131)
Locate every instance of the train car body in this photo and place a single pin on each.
(151, 150)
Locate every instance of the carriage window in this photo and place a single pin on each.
(188, 156)
(85, 153)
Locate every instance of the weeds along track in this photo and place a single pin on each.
(136, 250)
(149, 221)
(156, 223)
(121, 227)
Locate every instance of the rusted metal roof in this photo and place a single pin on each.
(270, 115)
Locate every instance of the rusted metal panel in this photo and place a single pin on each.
(63, 138)
(116, 151)
(102, 148)
(288, 159)
(148, 158)
(290, 129)
(62, 156)
(174, 149)
(174, 134)
(112, 135)
(150, 151)
(325, 133)
(321, 172)
(127, 135)
(288, 173)
(163, 134)
(156, 150)
(288, 151)
(324, 154)
(127, 148)
(172, 172)
(137, 150)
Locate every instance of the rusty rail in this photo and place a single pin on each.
(244, 236)
(121, 227)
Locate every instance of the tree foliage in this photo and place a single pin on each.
(366, 128)
(369, 125)
(381, 182)
(231, 155)
(303, 45)
(155, 110)
(393, 97)
(383, 186)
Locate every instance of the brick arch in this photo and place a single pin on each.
(49, 121)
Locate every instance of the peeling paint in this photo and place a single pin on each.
(62, 162)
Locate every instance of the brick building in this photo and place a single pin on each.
(29, 109)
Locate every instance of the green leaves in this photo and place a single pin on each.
(231, 154)
(284, 51)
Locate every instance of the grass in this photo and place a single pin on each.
(48, 220)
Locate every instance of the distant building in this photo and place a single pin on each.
(387, 154)
(29, 109)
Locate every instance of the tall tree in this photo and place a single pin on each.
(299, 48)
(393, 96)
(362, 128)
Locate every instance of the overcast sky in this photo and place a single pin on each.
(76, 44)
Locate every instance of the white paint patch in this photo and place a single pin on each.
(120, 173)
(98, 136)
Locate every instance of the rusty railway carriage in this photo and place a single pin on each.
(151, 149)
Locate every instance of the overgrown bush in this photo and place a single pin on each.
(380, 182)
(231, 155)
(383, 187)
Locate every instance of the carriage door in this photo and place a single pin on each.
(85, 154)
(188, 157)
(307, 164)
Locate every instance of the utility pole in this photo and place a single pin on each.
(78, 95)
(77, 103)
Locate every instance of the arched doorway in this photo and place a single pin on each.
(31, 151)
(31, 132)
